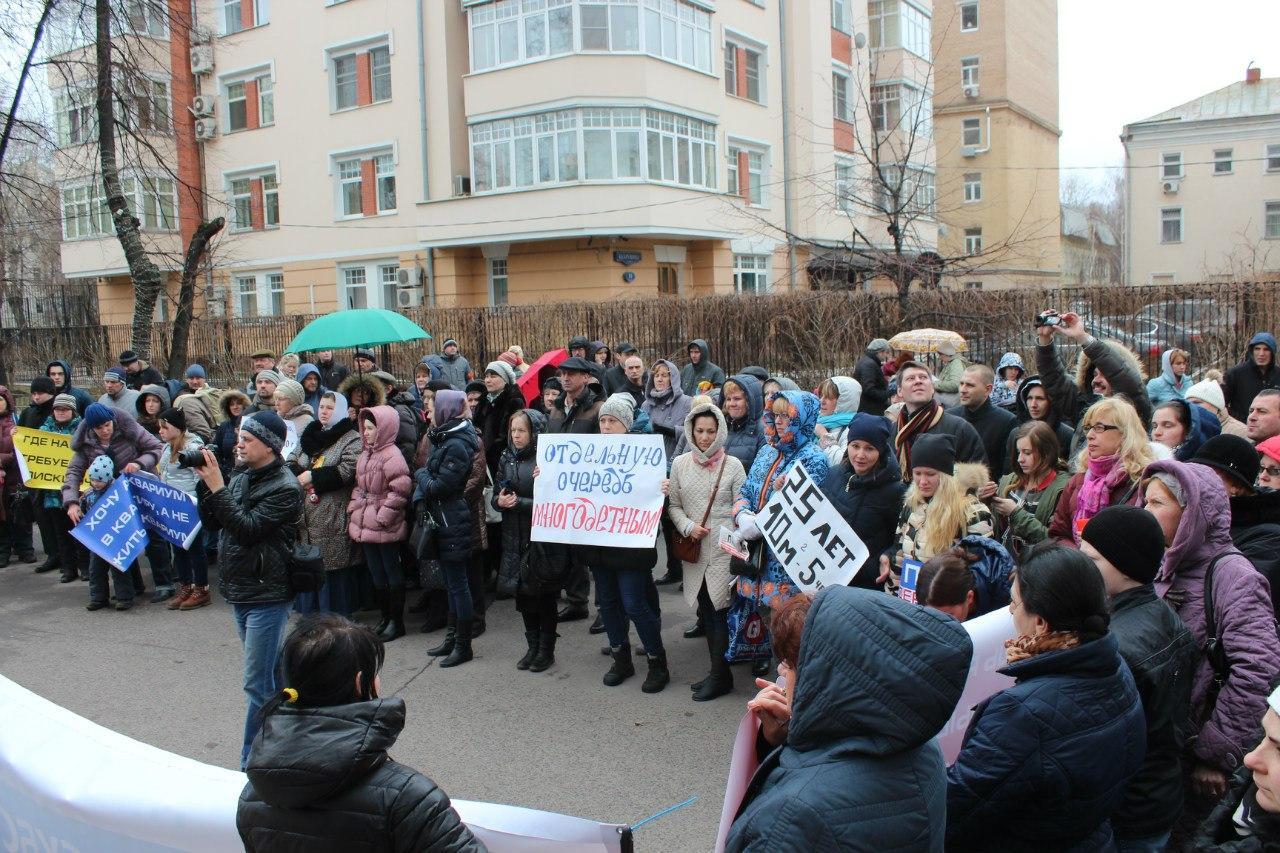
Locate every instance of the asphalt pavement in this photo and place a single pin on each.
(557, 740)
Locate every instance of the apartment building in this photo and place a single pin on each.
(1203, 197)
(386, 153)
(995, 76)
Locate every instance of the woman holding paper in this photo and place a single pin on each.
(790, 418)
(191, 564)
(704, 483)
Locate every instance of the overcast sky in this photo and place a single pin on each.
(1121, 61)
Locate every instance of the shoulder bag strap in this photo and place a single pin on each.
(714, 489)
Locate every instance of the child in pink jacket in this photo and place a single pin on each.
(377, 510)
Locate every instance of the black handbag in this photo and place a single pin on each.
(753, 566)
(422, 539)
(306, 567)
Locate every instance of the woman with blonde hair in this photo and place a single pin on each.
(289, 364)
(1116, 452)
(940, 508)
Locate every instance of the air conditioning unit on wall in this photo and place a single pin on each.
(408, 298)
(971, 91)
(202, 59)
(203, 105)
(1171, 187)
(206, 129)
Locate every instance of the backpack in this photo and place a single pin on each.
(1261, 544)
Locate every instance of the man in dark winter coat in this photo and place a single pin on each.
(59, 371)
(700, 375)
(577, 411)
(860, 767)
(1127, 545)
(870, 375)
(451, 366)
(1034, 405)
(138, 372)
(331, 372)
(258, 513)
(577, 347)
(1256, 371)
(42, 394)
(992, 423)
(1104, 369)
(615, 378)
(921, 414)
(411, 423)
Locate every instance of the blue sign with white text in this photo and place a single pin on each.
(112, 528)
(166, 510)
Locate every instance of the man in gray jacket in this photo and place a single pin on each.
(452, 366)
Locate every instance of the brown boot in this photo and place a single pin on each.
(184, 592)
(199, 597)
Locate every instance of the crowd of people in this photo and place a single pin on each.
(1131, 527)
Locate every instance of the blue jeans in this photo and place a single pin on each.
(192, 565)
(622, 594)
(99, 569)
(261, 629)
(457, 586)
(1154, 844)
(384, 564)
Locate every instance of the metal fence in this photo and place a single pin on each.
(806, 335)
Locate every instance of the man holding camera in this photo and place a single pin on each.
(258, 513)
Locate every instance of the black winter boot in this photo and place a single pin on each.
(659, 676)
(622, 668)
(720, 680)
(446, 646)
(531, 637)
(462, 645)
(394, 628)
(698, 630)
(384, 607)
(546, 652)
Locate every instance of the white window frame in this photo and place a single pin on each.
(1223, 157)
(155, 18)
(375, 284)
(761, 51)
(261, 15)
(150, 208)
(972, 187)
(917, 191)
(384, 177)
(755, 267)
(1271, 220)
(260, 74)
(973, 285)
(1171, 159)
(1273, 157)
(270, 197)
(557, 148)
(973, 241)
(499, 271)
(841, 108)
(79, 101)
(841, 17)
(845, 185)
(352, 49)
(261, 286)
(338, 160)
(966, 125)
(500, 34)
(976, 17)
(900, 24)
(970, 71)
(753, 149)
(1164, 211)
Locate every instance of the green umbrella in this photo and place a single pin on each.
(358, 327)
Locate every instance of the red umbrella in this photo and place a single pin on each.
(540, 371)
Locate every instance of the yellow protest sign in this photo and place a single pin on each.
(42, 457)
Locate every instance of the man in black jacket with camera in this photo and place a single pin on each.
(258, 513)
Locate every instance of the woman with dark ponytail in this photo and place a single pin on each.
(320, 778)
(1046, 761)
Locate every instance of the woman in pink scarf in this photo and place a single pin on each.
(1110, 468)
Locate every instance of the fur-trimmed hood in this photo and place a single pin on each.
(1085, 367)
(230, 396)
(971, 476)
(375, 392)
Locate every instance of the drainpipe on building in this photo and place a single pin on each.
(422, 96)
(431, 278)
(1126, 254)
(786, 145)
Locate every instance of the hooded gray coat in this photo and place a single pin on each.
(877, 680)
(666, 409)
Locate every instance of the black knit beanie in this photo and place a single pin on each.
(1130, 538)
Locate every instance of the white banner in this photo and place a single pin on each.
(71, 786)
(988, 633)
(599, 489)
(808, 535)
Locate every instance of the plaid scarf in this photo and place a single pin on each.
(910, 428)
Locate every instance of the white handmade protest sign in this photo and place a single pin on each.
(599, 489)
(988, 633)
(808, 535)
